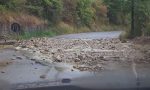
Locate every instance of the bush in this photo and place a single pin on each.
(53, 10)
(64, 28)
(124, 35)
(85, 12)
(38, 33)
(147, 30)
(2, 8)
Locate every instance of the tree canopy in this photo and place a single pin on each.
(85, 12)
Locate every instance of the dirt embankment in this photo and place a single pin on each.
(85, 55)
(142, 44)
(27, 22)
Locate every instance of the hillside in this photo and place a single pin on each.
(74, 16)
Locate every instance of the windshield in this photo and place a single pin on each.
(74, 44)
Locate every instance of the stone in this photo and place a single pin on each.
(2, 72)
(35, 45)
(43, 76)
(58, 58)
(77, 60)
(23, 46)
(75, 52)
(19, 57)
(13, 59)
(80, 57)
(33, 59)
(18, 48)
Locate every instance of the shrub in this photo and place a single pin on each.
(147, 30)
(85, 12)
(52, 10)
(2, 8)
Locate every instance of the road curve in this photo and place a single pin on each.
(91, 35)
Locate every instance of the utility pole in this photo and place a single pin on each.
(132, 33)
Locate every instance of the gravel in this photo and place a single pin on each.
(83, 54)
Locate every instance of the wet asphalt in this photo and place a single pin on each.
(17, 72)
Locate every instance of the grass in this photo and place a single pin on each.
(63, 28)
(40, 33)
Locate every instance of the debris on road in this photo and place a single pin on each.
(83, 54)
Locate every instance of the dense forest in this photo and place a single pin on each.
(71, 16)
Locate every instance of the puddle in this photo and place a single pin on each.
(115, 74)
(5, 63)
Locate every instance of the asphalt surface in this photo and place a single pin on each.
(92, 35)
(18, 72)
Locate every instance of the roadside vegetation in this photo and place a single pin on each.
(75, 16)
(28, 35)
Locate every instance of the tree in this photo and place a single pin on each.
(85, 12)
(13, 4)
(142, 16)
(48, 9)
(69, 11)
(123, 8)
(53, 10)
(117, 10)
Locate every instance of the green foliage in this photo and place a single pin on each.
(13, 4)
(16, 4)
(48, 9)
(142, 16)
(121, 10)
(47, 2)
(38, 33)
(118, 10)
(4, 2)
(53, 10)
(69, 14)
(85, 12)
(147, 30)
(2, 8)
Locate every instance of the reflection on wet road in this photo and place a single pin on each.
(23, 73)
(18, 72)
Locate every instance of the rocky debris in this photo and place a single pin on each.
(86, 68)
(57, 59)
(13, 58)
(142, 40)
(43, 76)
(2, 72)
(145, 52)
(7, 42)
(85, 55)
(18, 57)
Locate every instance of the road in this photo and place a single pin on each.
(17, 71)
(91, 35)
